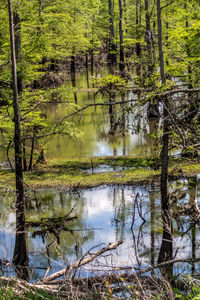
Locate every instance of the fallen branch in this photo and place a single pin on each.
(85, 261)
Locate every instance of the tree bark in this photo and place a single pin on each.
(112, 48)
(24, 156)
(160, 43)
(166, 246)
(138, 46)
(125, 18)
(17, 32)
(32, 150)
(20, 257)
(121, 38)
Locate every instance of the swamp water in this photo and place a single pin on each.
(104, 215)
(94, 125)
(132, 129)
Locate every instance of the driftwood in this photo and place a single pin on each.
(81, 262)
(118, 277)
(79, 288)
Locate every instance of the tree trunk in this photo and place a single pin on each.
(20, 257)
(160, 46)
(138, 46)
(86, 67)
(73, 74)
(166, 246)
(17, 32)
(24, 156)
(125, 18)
(112, 48)
(148, 37)
(121, 38)
(153, 108)
(32, 150)
(92, 61)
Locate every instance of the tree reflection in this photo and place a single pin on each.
(166, 249)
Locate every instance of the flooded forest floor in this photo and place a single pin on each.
(92, 172)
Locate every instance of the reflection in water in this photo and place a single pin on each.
(152, 210)
(97, 123)
(105, 215)
(129, 124)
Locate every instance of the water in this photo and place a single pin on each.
(94, 124)
(104, 215)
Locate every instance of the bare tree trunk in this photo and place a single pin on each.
(121, 38)
(20, 257)
(148, 24)
(86, 67)
(160, 43)
(125, 18)
(153, 108)
(32, 150)
(112, 47)
(138, 46)
(73, 74)
(17, 32)
(166, 246)
(24, 156)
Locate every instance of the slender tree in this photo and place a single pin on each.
(20, 258)
(17, 32)
(166, 246)
(112, 47)
(121, 38)
(138, 46)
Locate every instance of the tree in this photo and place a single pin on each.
(166, 246)
(20, 257)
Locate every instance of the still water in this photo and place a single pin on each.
(90, 130)
(104, 215)
(94, 126)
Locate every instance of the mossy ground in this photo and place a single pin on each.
(70, 173)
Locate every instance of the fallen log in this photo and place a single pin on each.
(81, 262)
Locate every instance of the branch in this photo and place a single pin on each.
(115, 278)
(33, 108)
(167, 5)
(177, 91)
(166, 93)
(97, 104)
(83, 262)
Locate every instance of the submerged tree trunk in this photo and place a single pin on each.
(73, 74)
(87, 71)
(112, 117)
(20, 257)
(166, 246)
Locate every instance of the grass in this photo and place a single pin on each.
(9, 294)
(70, 173)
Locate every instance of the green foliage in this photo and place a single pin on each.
(194, 290)
(8, 294)
(110, 85)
